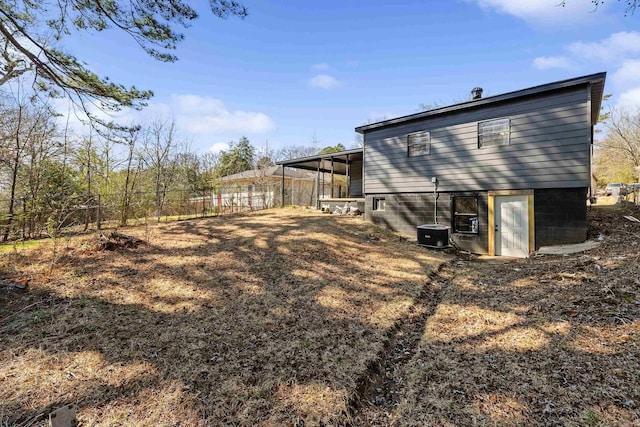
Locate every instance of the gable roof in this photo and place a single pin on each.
(275, 171)
(595, 82)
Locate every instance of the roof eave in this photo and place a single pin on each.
(595, 80)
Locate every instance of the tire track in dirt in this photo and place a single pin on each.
(382, 387)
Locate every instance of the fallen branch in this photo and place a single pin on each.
(19, 311)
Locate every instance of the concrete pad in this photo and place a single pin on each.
(568, 249)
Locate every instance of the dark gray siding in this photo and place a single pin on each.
(561, 216)
(404, 212)
(549, 148)
(355, 178)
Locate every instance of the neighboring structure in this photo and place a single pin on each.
(509, 173)
(263, 188)
(338, 177)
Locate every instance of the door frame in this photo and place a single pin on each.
(492, 217)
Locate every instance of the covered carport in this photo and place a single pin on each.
(346, 163)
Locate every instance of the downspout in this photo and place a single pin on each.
(435, 199)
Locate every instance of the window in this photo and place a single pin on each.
(418, 144)
(465, 214)
(493, 133)
(378, 203)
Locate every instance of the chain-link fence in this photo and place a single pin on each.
(28, 218)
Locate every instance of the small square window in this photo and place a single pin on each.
(465, 214)
(494, 132)
(418, 144)
(379, 203)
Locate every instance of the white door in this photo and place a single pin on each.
(512, 226)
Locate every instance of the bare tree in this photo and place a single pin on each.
(24, 124)
(623, 136)
(131, 172)
(159, 152)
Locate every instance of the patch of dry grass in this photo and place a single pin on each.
(549, 341)
(270, 318)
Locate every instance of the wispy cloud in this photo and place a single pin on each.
(205, 115)
(545, 12)
(614, 48)
(548, 62)
(618, 53)
(202, 119)
(320, 67)
(324, 81)
(628, 73)
(629, 99)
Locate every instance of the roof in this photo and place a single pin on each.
(336, 162)
(266, 172)
(595, 82)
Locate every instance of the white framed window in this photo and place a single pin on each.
(418, 143)
(379, 204)
(494, 133)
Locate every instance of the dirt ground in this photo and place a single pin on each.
(549, 341)
(289, 317)
(271, 318)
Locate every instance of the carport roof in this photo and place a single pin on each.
(323, 162)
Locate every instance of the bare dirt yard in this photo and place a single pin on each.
(271, 318)
(548, 341)
(289, 317)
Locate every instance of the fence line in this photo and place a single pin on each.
(37, 218)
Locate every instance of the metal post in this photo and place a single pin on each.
(282, 187)
(318, 186)
(348, 170)
(332, 177)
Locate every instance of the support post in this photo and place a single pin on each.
(282, 188)
(348, 170)
(318, 186)
(332, 177)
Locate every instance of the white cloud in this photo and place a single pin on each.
(544, 11)
(206, 115)
(628, 74)
(202, 119)
(548, 62)
(218, 147)
(629, 99)
(320, 67)
(324, 81)
(614, 47)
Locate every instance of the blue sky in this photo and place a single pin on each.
(296, 71)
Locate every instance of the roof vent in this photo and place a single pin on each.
(476, 93)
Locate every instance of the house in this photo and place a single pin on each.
(507, 173)
(263, 188)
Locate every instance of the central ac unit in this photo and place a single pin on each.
(433, 235)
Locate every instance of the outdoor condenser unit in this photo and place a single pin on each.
(433, 235)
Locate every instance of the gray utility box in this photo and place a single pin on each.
(434, 235)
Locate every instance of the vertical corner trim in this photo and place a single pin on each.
(532, 224)
(492, 226)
